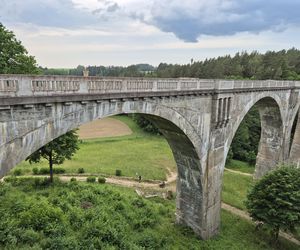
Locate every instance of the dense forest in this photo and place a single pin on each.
(284, 64)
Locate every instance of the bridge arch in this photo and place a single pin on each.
(184, 141)
(270, 151)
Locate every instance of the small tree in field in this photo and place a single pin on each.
(275, 200)
(57, 151)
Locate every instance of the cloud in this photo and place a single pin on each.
(50, 13)
(188, 20)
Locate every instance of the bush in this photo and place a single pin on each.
(73, 179)
(43, 171)
(101, 180)
(58, 170)
(118, 172)
(145, 124)
(35, 171)
(10, 179)
(91, 179)
(17, 172)
(80, 170)
(275, 199)
(42, 181)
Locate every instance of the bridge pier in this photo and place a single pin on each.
(295, 147)
(198, 192)
(270, 150)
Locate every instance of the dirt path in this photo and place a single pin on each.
(106, 127)
(238, 172)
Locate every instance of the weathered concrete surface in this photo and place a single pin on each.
(198, 118)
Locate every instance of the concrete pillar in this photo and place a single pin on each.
(198, 195)
(295, 147)
(271, 140)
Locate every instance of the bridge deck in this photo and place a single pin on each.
(19, 89)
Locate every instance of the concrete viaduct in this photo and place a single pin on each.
(198, 118)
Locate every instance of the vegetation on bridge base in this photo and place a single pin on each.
(75, 215)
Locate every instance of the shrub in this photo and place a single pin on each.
(80, 170)
(35, 171)
(43, 171)
(10, 179)
(118, 172)
(43, 181)
(101, 180)
(17, 172)
(275, 199)
(58, 170)
(73, 179)
(91, 179)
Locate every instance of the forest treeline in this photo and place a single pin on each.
(284, 64)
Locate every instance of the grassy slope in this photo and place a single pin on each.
(79, 216)
(235, 188)
(141, 153)
(240, 166)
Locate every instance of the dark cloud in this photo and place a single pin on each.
(189, 22)
(188, 19)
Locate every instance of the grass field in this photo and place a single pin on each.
(95, 216)
(149, 156)
(235, 188)
(240, 166)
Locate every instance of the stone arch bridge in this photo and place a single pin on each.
(198, 118)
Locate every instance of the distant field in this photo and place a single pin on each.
(107, 127)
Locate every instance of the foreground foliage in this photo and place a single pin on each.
(14, 58)
(36, 215)
(57, 151)
(275, 199)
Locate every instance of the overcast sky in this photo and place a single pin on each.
(65, 33)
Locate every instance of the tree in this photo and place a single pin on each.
(14, 58)
(145, 124)
(57, 151)
(275, 199)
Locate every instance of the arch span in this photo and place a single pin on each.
(270, 148)
(182, 137)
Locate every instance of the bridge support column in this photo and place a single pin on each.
(198, 193)
(271, 140)
(295, 147)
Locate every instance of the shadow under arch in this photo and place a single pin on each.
(270, 151)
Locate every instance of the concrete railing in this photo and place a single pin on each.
(25, 85)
